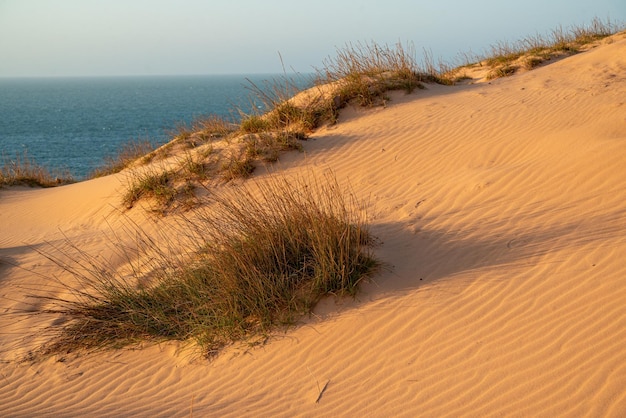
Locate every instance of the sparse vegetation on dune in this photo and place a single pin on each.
(24, 171)
(359, 73)
(196, 159)
(141, 152)
(258, 259)
(506, 58)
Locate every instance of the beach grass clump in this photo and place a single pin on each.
(213, 127)
(268, 146)
(503, 71)
(286, 115)
(24, 171)
(277, 109)
(153, 183)
(365, 71)
(253, 124)
(202, 130)
(258, 259)
(237, 166)
(195, 167)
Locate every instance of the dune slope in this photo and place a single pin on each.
(502, 211)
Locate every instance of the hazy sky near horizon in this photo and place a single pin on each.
(163, 37)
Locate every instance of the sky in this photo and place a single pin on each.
(47, 38)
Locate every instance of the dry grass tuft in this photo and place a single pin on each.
(24, 171)
(258, 259)
(152, 183)
(366, 71)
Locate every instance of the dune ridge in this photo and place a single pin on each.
(501, 209)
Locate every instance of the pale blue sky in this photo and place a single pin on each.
(149, 37)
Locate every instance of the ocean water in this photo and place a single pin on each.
(70, 125)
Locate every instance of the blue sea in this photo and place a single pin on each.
(70, 125)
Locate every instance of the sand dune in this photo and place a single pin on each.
(502, 211)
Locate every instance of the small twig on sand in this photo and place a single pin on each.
(322, 391)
